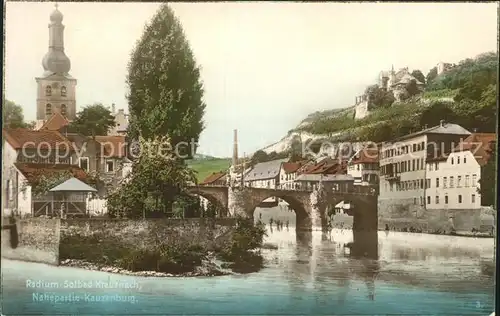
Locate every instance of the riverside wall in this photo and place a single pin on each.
(39, 239)
(403, 216)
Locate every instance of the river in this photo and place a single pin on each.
(312, 273)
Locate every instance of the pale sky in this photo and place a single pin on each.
(265, 66)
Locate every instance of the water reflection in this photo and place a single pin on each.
(323, 260)
(309, 273)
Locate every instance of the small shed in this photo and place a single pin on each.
(70, 197)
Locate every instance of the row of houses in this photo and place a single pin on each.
(32, 155)
(435, 168)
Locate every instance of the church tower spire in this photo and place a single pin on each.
(56, 88)
(56, 61)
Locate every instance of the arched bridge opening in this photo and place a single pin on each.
(291, 206)
(213, 204)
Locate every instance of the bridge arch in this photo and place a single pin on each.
(298, 201)
(216, 197)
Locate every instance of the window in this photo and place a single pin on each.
(459, 181)
(445, 182)
(458, 160)
(413, 165)
(451, 160)
(422, 163)
(437, 182)
(414, 147)
(473, 198)
(446, 199)
(110, 166)
(436, 166)
(430, 167)
(427, 183)
(459, 198)
(418, 164)
(452, 183)
(63, 91)
(428, 200)
(84, 163)
(474, 180)
(414, 199)
(48, 91)
(48, 110)
(63, 109)
(467, 178)
(357, 167)
(437, 199)
(421, 200)
(465, 159)
(422, 145)
(421, 183)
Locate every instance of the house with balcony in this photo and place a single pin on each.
(335, 182)
(364, 167)
(402, 164)
(453, 179)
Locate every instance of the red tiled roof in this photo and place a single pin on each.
(213, 177)
(114, 146)
(33, 171)
(291, 167)
(367, 155)
(55, 122)
(479, 144)
(20, 138)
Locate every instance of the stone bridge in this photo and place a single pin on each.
(311, 207)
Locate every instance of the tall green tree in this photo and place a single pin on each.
(259, 156)
(379, 97)
(93, 120)
(418, 75)
(157, 179)
(12, 116)
(436, 112)
(165, 90)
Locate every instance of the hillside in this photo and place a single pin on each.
(464, 94)
(208, 165)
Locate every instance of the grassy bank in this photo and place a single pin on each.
(239, 253)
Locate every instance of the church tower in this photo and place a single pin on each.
(56, 88)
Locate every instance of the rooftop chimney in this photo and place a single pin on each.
(235, 148)
(441, 123)
(112, 108)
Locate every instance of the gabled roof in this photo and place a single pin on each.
(291, 167)
(216, 176)
(55, 122)
(479, 144)
(113, 146)
(265, 170)
(73, 185)
(20, 138)
(34, 171)
(366, 155)
(445, 129)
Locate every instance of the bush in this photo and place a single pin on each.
(241, 253)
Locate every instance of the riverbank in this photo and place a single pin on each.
(208, 268)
